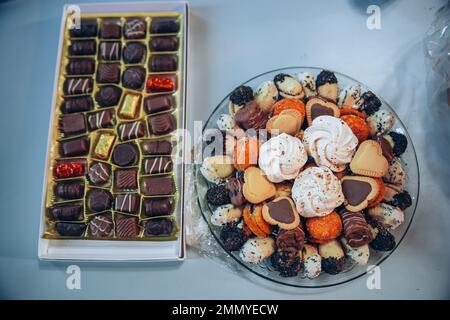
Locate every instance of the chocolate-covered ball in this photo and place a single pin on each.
(134, 52)
(108, 96)
(133, 78)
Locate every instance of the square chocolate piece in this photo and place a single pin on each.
(158, 186)
(101, 226)
(135, 28)
(72, 124)
(75, 147)
(110, 51)
(157, 147)
(127, 227)
(88, 28)
(162, 124)
(125, 179)
(108, 73)
(157, 165)
(101, 119)
(110, 29)
(132, 130)
(128, 203)
(154, 104)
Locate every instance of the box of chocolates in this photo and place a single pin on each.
(113, 189)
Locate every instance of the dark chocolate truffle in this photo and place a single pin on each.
(101, 226)
(127, 227)
(154, 104)
(110, 29)
(75, 147)
(99, 200)
(76, 104)
(110, 51)
(134, 28)
(165, 43)
(70, 189)
(77, 86)
(125, 154)
(70, 229)
(67, 212)
(162, 123)
(108, 73)
(82, 47)
(99, 173)
(88, 28)
(233, 237)
(158, 186)
(131, 130)
(134, 52)
(101, 119)
(158, 147)
(126, 179)
(165, 25)
(133, 78)
(159, 227)
(153, 207)
(128, 203)
(72, 124)
(163, 63)
(108, 96)
(80, 66)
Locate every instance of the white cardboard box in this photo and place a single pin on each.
(91, 250)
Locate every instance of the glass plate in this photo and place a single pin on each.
(352, 270)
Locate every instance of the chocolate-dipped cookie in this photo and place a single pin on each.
(326, 84)
(316, 107)
(358, 192)
(281, 212)
(234, 187)
(356, 229)
(251, 117)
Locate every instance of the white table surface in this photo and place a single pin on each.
(230, 41)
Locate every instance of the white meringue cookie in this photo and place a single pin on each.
(317, 192)
(282, 157)
(266, 95)
(331, 142)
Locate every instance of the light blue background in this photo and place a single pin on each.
(230, 41)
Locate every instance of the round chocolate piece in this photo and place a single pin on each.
(99, 173)
(125, 154)
(134, 78)
(99, 200)
(108, 96)
(134, 52)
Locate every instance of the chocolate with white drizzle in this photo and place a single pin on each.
(356, 229)
(77, 86)
(157, 165)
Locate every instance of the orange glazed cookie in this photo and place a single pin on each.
(359, 126)
(347, 111)
(255, 222)
(326, 228)
(286, 104)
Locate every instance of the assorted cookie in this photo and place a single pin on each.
(309, 180)
(118, 105)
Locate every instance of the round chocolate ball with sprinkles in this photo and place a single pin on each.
(218, 195)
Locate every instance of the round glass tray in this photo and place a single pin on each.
(352, 270)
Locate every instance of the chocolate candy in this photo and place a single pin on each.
(165, 43)
(99, 173)
(133, 78)
(126, 179)
(110, 29)
(125, 154)
(165, 25)
(110, 51)
(154, 104)
(108, 73)
(161, 83)
(108, 96)
(130, 106)
(159, 227)
(82, 47)
(69, 168)
(251, 117)
(131, 130)
(157, 147)
(157, 165)
(127, 227)
(76, 104)
(101, 119)
(356, 230)
(135, 28)
(128, 203)
(88, 28)
(153, 207)
(99, 200)
(72, 124)
(101, 226)
(158, 186)
(163, 62)
(67, 212)
(134, 52)
(80, 66)
(75, 147)
(70, 229)
(162, 124)
(104, 145)
(77, 86)
(69, 190)
(234, 187)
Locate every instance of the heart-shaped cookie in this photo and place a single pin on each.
(256, 187)
(369, 160)
(316, 107)
(281, 212)
(359, 192)
(289, 121)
